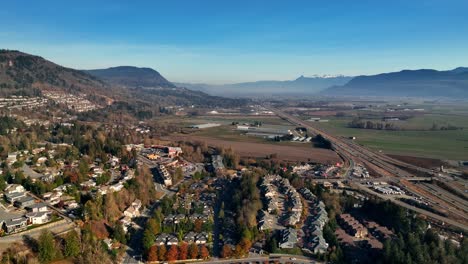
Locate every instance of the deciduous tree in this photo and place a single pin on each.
(226, 252)
(172, 253)
(153, 253)
(183, 251)
(204, 253)
(193, 251)
(148, 239)
(162, 253)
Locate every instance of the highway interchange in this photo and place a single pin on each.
(390, 170)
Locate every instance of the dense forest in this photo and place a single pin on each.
(414, 242)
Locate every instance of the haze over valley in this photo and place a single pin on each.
(228, 132)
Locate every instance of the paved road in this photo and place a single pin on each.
(413, 208)
(261, 259)
(134, 252)
(353, 152)
(55, 228)
(30, 172)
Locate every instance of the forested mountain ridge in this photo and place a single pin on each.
(25, 74)
(28, 74)
(411, 83)
(130, 76)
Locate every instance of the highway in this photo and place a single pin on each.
(413, 208)
(387, 167)
(457, 201)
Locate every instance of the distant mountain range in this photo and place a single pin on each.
(301, 85)
(407, 83)
(28, 74)
(129, 76)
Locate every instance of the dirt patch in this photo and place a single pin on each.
(427, 163)
(259, 150)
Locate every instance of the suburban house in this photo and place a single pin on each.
(126, 222)
(12, 197)
(15, 225)
(38, 207)
(288, 238)
(190, 237)
(116, 187)
(38, 218)
(160, 240)
(320, 246)
(12, 157)
(24, 201)
(131, 212)
(172, 240)
(14, 188)
(352, 226)
(201, 239)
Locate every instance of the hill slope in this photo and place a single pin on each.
(300, 86)
(412, 83)
(28, 74)
(148, 85)
(129, 76)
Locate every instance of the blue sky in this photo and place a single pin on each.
(233, 41)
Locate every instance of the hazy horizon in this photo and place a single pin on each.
(216, 42)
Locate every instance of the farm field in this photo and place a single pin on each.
(227, 119)
(442, 144)
(228, 132)
(261, 150)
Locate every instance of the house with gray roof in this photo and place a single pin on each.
(288, 238)
(14, 225)
(12, 197)
(24, 201)
(37, 207)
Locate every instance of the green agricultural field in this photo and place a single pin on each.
(226, 120)
(229, 133)
(443, 145)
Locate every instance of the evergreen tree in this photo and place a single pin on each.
(72, 244)
(119, 233)
(46, 246)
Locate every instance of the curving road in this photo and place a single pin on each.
(353, 153)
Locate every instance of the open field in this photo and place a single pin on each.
(230, 133)
(261, 150)
(226, 119)
(432, 144)
(444, 145)
(427, 163)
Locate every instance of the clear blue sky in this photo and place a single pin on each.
(231, 41)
